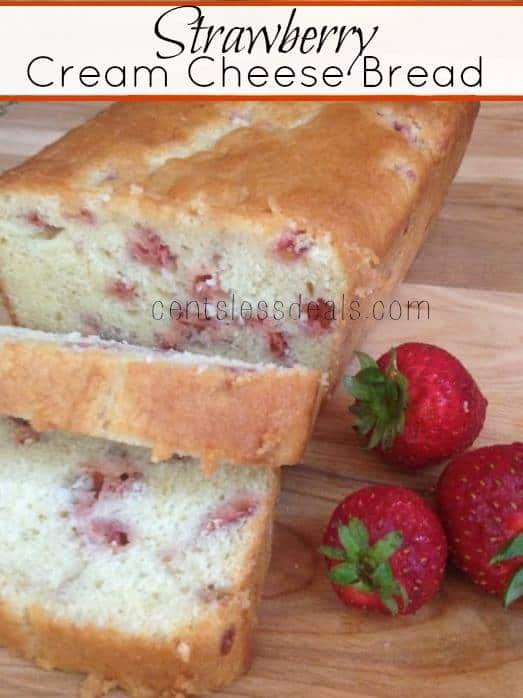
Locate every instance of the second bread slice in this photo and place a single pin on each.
(222, 411)
(146, 576)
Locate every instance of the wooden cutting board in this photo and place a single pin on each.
(308, 645)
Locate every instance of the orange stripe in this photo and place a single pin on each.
(266, 3)
(263, 98)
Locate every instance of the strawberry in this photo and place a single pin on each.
(480, 497)
(418, 404)
(385, 549)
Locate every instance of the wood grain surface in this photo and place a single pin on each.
(308, 645)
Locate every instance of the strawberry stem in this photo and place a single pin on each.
(366, 567)
(381, 400)
(510, 551)
(514, 588)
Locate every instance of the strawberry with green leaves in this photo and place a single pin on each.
(417, 404)
(385, 549)
(480, 497)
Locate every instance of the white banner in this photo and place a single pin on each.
(261, 50)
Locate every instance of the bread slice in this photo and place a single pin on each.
(218, 410)
(255, 230)
(138, 574)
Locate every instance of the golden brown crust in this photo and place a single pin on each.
(350, 171)
(207, 656)
(144, 668)
(217, 413)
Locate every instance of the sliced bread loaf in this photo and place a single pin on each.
(141, 575)
(217, 410)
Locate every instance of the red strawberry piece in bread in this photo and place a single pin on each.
(100, 483)
(275, 338)
(417, 404)
(122, 290)
(385, 549)
(109, 532)
(230, 512)
(319, 316)
(480, 497)
(149, 248)
(278, 344)
(292, 244)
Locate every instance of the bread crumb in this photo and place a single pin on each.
(184, 651)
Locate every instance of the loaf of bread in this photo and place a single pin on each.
(141, 575)
(239, 229)
(220, 410)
